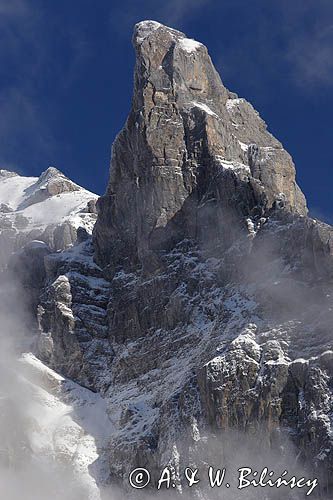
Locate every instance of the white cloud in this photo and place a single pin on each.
(307, 28)
(285, 40)
(311, 55)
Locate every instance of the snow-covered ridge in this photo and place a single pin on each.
(18, 192)
(7, 173)
(37, 205)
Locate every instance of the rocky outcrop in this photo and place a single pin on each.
(193, 160)
(188, 358)
(220, 295)
(72, 317)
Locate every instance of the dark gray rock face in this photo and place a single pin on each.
(191, 156)
(72, 317)
(27, 267)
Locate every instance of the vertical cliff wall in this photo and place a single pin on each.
(192, 156)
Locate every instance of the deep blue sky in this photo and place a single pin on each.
(66, 78)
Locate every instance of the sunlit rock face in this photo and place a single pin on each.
(191, 156)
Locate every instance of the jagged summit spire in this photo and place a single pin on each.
(188, 139)
(51, 172)
(156, 32)
(143, 29)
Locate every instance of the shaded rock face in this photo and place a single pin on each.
(72, 317)
(27, 268)
(191, 156)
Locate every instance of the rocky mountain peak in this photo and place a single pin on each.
(203, 311)
(50, 173)
(191, 157)
(144, 29)
(173, 60)
(51, 182)
(50, 208)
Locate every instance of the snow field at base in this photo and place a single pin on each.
(67, 424)
(67, 207)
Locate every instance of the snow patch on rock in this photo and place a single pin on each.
(189, 45)
(204, 108)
